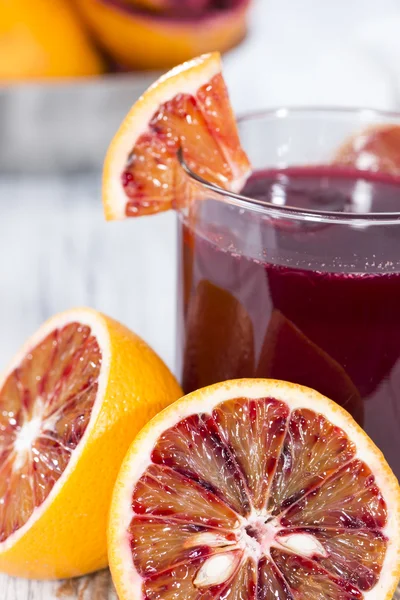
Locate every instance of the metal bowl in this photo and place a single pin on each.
(63, 126)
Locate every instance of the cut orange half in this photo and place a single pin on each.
(137, 37)
(254, 490)
(70, 404)
(187, 109)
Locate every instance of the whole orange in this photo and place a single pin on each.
(44, 39)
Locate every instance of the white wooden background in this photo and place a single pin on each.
(56, 251)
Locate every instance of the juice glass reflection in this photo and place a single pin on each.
(298, 277)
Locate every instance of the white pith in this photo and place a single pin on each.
(304, 544)
(27, 435)
(183, 79)
(31, 429)
(267, 536)
(214, 571)
(138, 460)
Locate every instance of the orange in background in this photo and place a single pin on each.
(42, 38)
(155, 5)
(184, 6)
(150, 41)
(377, 149)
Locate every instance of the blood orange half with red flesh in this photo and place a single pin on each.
(69, 405)
(188, 109)
(254, 490)
(45, 407)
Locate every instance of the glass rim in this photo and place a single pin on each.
(291, 212)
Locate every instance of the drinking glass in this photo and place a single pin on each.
(300, 282)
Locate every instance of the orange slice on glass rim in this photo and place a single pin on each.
(69, 405)
(254, 490)
(187, 109)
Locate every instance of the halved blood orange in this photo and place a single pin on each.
(181, 8)
(188, 109)
(157, 34)
(254, 490)
(377, 148)
(69, 405)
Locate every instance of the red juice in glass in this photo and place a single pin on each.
(301, 282)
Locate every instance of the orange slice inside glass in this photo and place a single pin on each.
(377, 149)
(254, 490)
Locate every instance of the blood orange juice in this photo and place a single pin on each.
(308, 294)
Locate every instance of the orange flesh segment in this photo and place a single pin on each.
(204, 127)
(209, 462)
(293, 478)
(256, 439)
(314, 450)
(45, 407)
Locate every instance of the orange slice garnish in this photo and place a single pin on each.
(188, 109)
(254, 489)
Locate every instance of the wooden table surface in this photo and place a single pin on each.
(94, 587)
